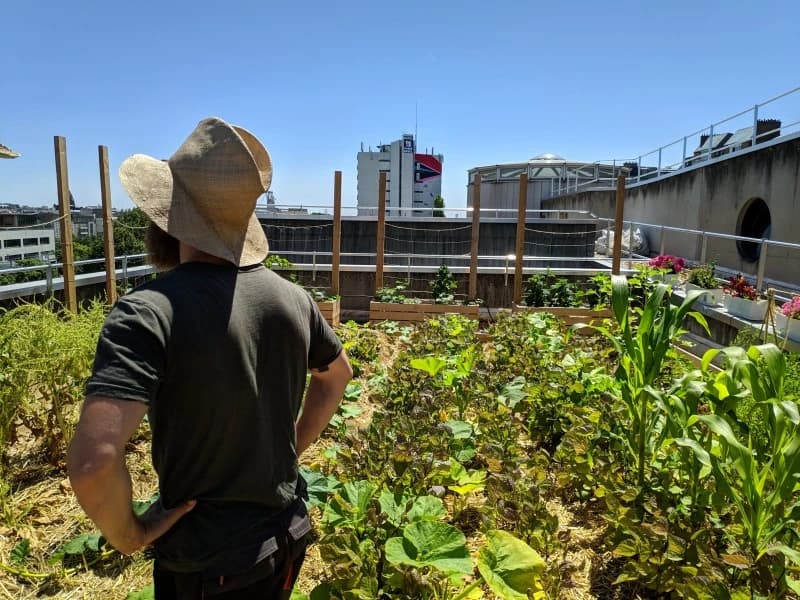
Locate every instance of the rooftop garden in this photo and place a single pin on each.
(518, 460)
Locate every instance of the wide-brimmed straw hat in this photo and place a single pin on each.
(205, 194)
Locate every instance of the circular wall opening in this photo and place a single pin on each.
(755, 221)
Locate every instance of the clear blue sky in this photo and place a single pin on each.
(494, 81)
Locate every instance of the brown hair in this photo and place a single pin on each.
(163, 250)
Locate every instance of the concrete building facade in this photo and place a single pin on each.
(753, 193)
(412, 180)
(547, 173)
(16, 244)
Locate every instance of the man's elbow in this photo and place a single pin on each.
(87, 465)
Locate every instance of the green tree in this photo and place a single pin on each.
(438, 203)
(129, 229)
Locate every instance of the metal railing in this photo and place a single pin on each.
(759, 276)
(52, 273)
(675, 157)
(371, 212)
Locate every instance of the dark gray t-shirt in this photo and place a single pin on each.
(220, 355)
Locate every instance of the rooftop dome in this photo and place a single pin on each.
(548, 156)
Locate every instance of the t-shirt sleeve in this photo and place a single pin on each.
(324, 346)
(131, 353)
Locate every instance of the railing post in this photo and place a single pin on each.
(639, 170)
(472, 291)
(62, 178)
(381, 230)
(337, 232)
(519, 258)
(48, 273)
(662, 242)
(762, 264)
(620, 208)
(125, 273)
(313, 265)
(703, 246)
(710, 140)
(659, 162)
(683, 154)
(630, 246)
(755, 125)
(108, 227)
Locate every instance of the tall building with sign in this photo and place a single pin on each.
(412, 180)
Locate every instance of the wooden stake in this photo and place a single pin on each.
(337, 231)
(62, 178)
(108, 227)
(520, 255)
(617, 253)
(381, 230)
(476, 224)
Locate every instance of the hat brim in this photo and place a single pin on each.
(152, 187)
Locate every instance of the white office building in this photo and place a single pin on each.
(412, 180)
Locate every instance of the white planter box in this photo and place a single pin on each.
(782, 323)
(708, 297)
(752, 310)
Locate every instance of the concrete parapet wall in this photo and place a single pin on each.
(713, 198)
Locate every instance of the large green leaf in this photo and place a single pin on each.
(320, 487)
(426, 508)
(460, 430)
(511, 568)
(349, 506)
(431, 544)
(619, 298)
(393, 505)
(431, 365)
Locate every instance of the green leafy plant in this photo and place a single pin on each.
(444, 286)
(395, 294)
(763, 488)
(704, 276)
(642, 349)
(549, 290)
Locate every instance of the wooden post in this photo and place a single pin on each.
(518, 258)
(108, 227)
(337, 231)
(381, 230)
(615, 262)
(476, 224)
(62, 178)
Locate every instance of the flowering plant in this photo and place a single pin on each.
(737, 287)
(791, 309)
(673, 264)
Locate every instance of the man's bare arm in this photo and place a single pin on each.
(100, 478)
(324, 393)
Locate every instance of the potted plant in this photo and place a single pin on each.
(743, 300)
(704, 278)
(787, 319)
(668, 267)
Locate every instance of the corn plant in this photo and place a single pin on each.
(763, 487)
(642, 348)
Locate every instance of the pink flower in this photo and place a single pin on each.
(668, 262)
(791, 309)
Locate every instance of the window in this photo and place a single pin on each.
(30, 242)
(44, 240)
(12, 244)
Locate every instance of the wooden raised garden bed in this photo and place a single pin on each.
(329, 310)
(390, 311)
